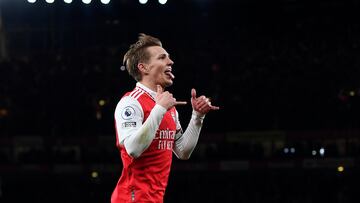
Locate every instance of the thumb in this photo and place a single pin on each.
(193, 93)
(159, 89)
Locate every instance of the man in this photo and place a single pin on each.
(147, 125)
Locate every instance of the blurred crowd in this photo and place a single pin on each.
(297, 69)
(285, 75)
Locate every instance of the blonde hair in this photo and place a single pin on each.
(137, 53)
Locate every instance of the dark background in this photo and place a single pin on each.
(285, 74)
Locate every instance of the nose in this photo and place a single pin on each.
(171, 62)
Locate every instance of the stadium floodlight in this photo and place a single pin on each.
(143, 1)
(86, 1)
(162, 1)
(286, 150)
(68, 1)
(94, 174)
(32, 1)
(105, 1)
(50, 1)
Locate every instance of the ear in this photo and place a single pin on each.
(143, 68)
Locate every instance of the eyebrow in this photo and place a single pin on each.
(164, 54)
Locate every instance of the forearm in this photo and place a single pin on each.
(185, 144)
(138, 142)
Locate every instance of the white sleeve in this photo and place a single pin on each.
(185, 142)
(132, 133)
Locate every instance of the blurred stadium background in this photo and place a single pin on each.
(285, 73)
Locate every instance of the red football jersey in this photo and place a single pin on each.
(145, 178)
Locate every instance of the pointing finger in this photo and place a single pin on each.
(180, 102)
(214, 107)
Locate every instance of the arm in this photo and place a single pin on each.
(133, 134)
(136, 144)
(186, 142)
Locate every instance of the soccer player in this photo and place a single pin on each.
(147, 124)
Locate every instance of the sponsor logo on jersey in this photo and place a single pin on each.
(165, 134)
(165, 139)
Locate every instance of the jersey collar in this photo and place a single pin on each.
(151, 93)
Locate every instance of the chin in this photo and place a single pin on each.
(168, 83)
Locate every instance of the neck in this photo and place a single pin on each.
(150, 85)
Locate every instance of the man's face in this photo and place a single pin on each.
(159, 67)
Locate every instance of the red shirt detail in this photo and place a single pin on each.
(145, 178)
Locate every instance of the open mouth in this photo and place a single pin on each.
(168, 73)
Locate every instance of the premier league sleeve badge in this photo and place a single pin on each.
(128, 113)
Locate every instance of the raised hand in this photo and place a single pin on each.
(166, 99)
(201, 104)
